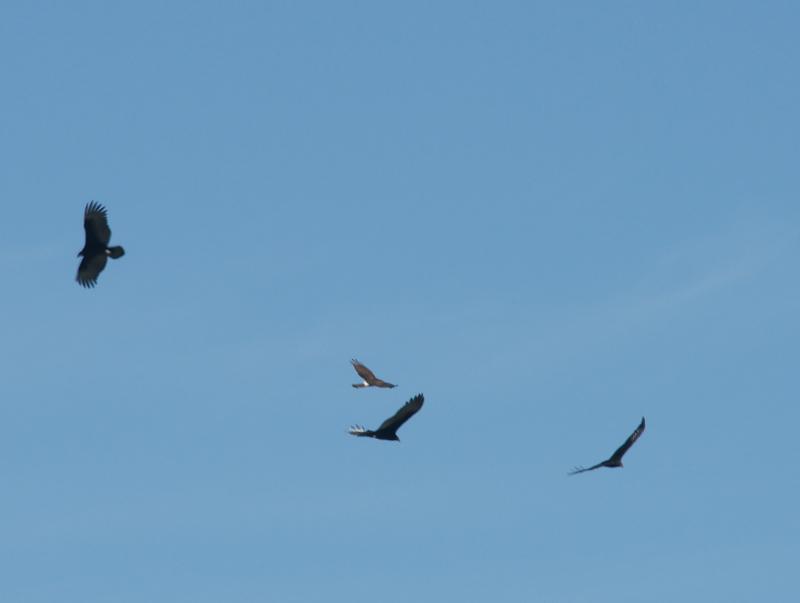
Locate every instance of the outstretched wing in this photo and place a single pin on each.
(90, 268)
(620, 452)
(359, 430)
(577, 470)
(363, 372)
(95, 222)
(381, 383)
(408, 410)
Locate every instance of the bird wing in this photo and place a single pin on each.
(95, 222)
(618, 454)
(408, 410)
(577, 470)
(363, 372)
(90, 268)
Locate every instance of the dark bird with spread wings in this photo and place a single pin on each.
(370, 380)
(95, 251)
(616, 459)
(388, 429)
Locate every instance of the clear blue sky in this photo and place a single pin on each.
(551, 218)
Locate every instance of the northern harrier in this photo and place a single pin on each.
(370, 380)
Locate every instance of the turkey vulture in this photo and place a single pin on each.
(370, 380)
(388, 429)
(96, 250)
(616, 458)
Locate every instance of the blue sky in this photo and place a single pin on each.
(551, 218)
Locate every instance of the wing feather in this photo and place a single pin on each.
(620, 452)
(90, 268)
(577, 470)
(408, 410)
(363, 372)
(382, 383)
(95, 222)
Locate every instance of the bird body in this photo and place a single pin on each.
(95, 250)
(368, 378)
(615, 460)
(388, 429)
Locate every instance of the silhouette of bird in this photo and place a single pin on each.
(388, 429)
(370, 380)
(615, 460)
(95, 251)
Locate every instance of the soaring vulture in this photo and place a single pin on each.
(616, 459)
(95, 251)
(388, 429)
(370, 380)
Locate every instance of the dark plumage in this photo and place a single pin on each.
(615, 460)
(370, 380)
(388, 429)
(95, 251)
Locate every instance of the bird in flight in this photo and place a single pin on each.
(388, 429)
(616, 459)
(369, 378)
(95, 251)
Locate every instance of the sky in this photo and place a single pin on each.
(550, 218)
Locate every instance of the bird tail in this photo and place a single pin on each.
(358, 430)
(116, 252)
(357, 385)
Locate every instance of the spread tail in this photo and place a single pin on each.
(116, 252)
